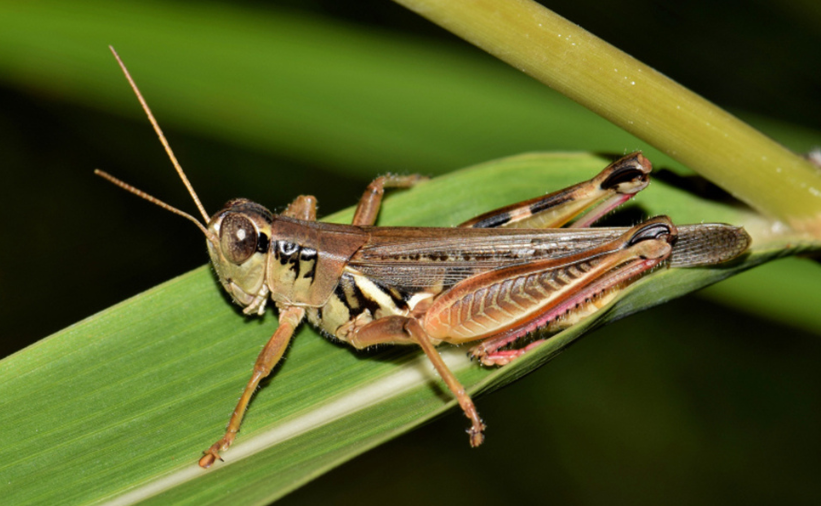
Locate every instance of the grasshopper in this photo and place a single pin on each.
(495, 279)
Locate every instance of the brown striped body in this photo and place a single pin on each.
(494, 279)
(482, 281)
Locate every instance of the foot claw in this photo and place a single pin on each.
(477, 435)
(212, 454)
(208, 459)
(491, 360)
(498, 358)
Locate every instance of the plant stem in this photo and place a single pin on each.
(639, 99)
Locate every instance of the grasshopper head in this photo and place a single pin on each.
(238, 241)
(237, 236)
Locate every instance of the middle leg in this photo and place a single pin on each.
(302, 208)
(404, 330)
(371, 200)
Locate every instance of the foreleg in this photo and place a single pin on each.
(289, 318)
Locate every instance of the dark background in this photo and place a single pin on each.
(720, 407)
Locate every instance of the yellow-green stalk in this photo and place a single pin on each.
(632, 95)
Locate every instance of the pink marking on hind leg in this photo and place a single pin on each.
(500, 358)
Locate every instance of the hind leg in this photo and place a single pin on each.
(613, 186)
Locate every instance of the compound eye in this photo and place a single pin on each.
(238, 238)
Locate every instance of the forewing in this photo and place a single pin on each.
(411, 259)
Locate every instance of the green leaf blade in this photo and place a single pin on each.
(132, 395)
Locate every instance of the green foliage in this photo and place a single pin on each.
(149, 383)
(128, 398)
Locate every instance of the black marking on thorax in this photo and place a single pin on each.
(285, 251)
(309, 255)
(399, 297)
(292, 254)
(357, 301)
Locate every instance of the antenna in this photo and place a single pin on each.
(127, 187)
(167, 150)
